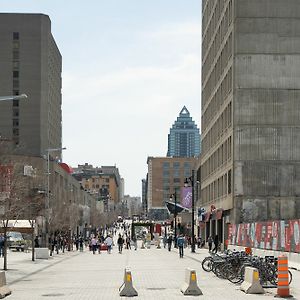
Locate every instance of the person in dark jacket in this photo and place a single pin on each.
(180, 244)
(169, 240)
(216, 244)
(120, 243)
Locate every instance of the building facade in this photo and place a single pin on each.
(250, 164)
(30, 63)
(184, 137)
(166, 175)
(105, 183)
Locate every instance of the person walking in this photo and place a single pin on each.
(36, 242)
(94, 244)
(81, 244)
(120, 243)
(180, 245)
(128, 246)
(216, 244)
(108, 241)
(209, 241)
(134, 239)
(169, 240)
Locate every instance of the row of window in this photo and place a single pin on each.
(221, 62)
(219, 188)
(176, 165)
(216, 74)
(221, 156)
(16, 85)
(215, 32)
(218, 129)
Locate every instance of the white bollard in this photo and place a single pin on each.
(127, 289)
(251, 284)
(190, 286)
(4, 289)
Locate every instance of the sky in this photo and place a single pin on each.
(129, 67)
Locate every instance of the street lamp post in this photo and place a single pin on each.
(191, 180)
(175, 216)
(47, 203)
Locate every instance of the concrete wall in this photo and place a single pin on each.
(266, 112)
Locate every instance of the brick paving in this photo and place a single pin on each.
(157, 274)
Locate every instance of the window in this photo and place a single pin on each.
(15, 122)
(176, 173)
(166, 165)
(176, 180)
(229, 182)
(16, 74)
(176, 165)
(16, 35)
(16, 131)
(16, 103)
(166, 173)
(16, 55)
(15, 112)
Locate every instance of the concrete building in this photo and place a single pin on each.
(30, 63)
(165, 176)
(184, 137)
(144, 196)
(104, 182)
(250, 164)
(133, 205)
(67, 207)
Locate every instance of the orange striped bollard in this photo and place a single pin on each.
(283, 288)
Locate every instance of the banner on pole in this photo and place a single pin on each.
(186, 197)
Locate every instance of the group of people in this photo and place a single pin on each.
(182, 242)
(127, 241)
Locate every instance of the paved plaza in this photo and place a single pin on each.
(157, 274)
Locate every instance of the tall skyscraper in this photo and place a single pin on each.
(30, 63)
(250, 164)
(184, 137)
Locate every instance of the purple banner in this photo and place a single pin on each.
(186, 197)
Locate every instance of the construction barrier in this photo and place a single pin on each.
(190, 286)
(251, 283)
(127, 289)
(4, 289)
(283, 287)
(248, 250)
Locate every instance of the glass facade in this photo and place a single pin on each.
(184, 137)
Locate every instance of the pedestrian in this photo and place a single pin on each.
(134, 239)
(120, 243)
(81, 244)
(108, 241)
(128, 246)
(180, 244)
(199, 242)
(2, 240)
(36, 242)
(216, 244)
(94, 244)
(165, 240)
(169, 240)
(209, 241)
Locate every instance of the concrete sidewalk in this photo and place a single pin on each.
(157, 274)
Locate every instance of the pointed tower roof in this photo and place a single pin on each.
(184, 112)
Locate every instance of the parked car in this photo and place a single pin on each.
(15, 240)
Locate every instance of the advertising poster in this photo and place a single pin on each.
(276, 235)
